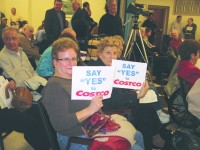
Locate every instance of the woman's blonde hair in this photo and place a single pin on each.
(108, 42)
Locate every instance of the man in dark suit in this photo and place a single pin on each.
(54, 22)
(80, 23)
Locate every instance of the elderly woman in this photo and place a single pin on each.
(143, 114)
(66, 115)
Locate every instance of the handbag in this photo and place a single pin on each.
(99, 123)
(22, 98)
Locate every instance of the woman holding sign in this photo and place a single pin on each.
(145, 117)
(66, 115)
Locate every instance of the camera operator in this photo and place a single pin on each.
(150, 23)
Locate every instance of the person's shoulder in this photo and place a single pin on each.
(51, 10)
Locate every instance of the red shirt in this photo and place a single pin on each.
(188, 71)
(174, 44)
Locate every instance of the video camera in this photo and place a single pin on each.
(136, 9)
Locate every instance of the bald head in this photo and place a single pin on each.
(175, 34)
(69, 31)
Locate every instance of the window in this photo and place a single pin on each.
(187, 7)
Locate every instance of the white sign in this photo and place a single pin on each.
(128, 74)
(89, 81)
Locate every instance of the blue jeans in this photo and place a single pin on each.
(62, 141)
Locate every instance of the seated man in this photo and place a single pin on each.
(31, 51)
(15, 63)
(24, 122)
(175, 41)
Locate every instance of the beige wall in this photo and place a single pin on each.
(172, 17)
(34, 10)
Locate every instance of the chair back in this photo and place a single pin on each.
(50, 132)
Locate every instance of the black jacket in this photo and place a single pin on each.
(52, 24)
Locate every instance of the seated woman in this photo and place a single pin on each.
(143, 114)
(189, 53)
(23, 122)
(67, 115)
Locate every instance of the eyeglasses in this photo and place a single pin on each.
(8, 39)
(67, 59)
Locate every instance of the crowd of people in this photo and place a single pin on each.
(56, 50)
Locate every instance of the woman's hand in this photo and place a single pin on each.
(95, 104)
(143, 90)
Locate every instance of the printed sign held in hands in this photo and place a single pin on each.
(88, 81)
(129, 75)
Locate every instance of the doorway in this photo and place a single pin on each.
(161, 16)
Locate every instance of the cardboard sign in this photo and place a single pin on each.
(89, 81)
(128, 74)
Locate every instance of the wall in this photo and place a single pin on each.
(172, 17)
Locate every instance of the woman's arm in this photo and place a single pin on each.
(95, 105)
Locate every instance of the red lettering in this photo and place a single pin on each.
(117, 81)
(91, 94)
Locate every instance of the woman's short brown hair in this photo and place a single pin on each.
(61, 44)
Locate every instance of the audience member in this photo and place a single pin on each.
(80, 23)
(45, 66)
(2, 15)
(31, 51)
(177, 25)
(41, 27)
(54, 22)
(12, 23)
(190, 29)
(15, 63)
(75, 111)
(175, 40)
(14, 17)
(21, 24)
(189, 53)
(2, 26)
(164, 118)
(92, 23)
(24, 122)
(110, 23)
(150, 23)
(143, 114)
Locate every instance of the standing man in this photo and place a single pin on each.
(2, 15)
(14, 17)
(177, 25)
(54, 22)
(150, 23)
(80, 23)
(2, 26)
(190, 29)
(110, 23)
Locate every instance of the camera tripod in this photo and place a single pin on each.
(132, 42)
